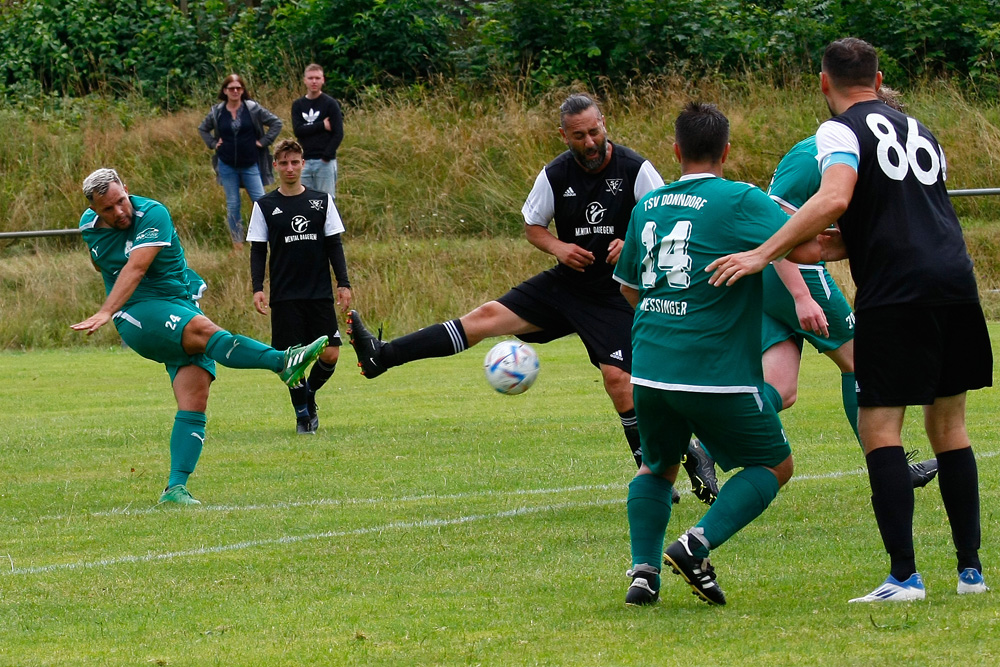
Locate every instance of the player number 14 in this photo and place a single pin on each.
(672, 258)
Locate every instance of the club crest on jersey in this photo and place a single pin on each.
(299, 224)
(317, 204)
(614, 185)
(595, 212)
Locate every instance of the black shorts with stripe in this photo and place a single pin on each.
(602, 318)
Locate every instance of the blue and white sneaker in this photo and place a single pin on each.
(894, 590)
(971, 581)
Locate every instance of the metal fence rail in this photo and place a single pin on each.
(973, 192)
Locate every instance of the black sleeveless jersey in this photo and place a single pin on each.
(902, 235)
(593, 209)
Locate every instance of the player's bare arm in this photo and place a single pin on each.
(832, 248)
(569, 254)
(810, 314)
(822, 210)
(631, 295)
(133, 272)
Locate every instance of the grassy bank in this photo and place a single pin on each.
(432, 183)
(405, 283)
(429, 163)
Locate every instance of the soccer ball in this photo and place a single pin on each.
(511, 367)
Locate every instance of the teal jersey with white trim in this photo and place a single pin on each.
(688, 335)
(797, 176)
(168, 276)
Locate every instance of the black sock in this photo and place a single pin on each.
(437, 340)
(892, 500)
(300, 399)
(319, 374)
(958, 480)
(631, 426)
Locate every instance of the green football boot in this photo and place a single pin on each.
(179, 494)
(298, 358)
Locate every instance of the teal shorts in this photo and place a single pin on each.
(740, 430)
(154, 329)
(781, 323)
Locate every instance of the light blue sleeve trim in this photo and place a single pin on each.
(850, 159)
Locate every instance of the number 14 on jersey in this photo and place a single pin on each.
(670, 253)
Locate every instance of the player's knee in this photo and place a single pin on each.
(330, 355)
(618, 385)
(783, 471)
(489, 319)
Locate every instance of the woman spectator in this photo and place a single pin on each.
(234, 129)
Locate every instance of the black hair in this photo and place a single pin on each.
(702, 132)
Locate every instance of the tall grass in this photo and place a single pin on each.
(431, 184)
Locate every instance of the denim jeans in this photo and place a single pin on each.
(232, 178)
(321, 176)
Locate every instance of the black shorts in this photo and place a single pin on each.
(602, 318)
(302, 321)
(913, 354)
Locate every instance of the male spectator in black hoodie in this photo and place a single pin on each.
(319, 126)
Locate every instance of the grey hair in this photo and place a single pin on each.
(99, 181)
(574, 104)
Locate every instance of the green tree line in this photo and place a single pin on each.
(168, 51)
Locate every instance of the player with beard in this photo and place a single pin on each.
(152, 300)
(589, 191)
(883, 184)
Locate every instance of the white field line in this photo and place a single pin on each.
(400, 525)
(292, 539)
(380, 500)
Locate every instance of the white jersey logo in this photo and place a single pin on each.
(317, 204)
(300, 224)
(569, 193)
(614, 185)
(595, 212)
(276, 211)
(310, 116)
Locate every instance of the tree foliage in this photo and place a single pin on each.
(75, 47)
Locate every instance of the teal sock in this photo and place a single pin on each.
(234, 351)
(849, 391)
(743, 498)
(648, 515)
(186, 441)
(772, 397)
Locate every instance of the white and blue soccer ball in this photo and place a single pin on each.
(511, 367)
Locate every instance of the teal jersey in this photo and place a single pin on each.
(168, 276)
(688, 335)
(797, 176)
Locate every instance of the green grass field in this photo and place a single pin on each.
(434, 522)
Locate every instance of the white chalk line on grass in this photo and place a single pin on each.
(381, 500)
(292, 539)
(399, 525)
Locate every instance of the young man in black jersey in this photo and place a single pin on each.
(589, 191)
(318, 124)
(883, 184)
(303, 229)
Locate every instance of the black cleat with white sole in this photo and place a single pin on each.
(698, 572)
